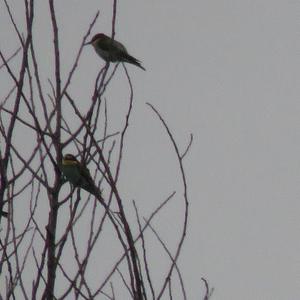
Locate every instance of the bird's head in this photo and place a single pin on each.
(96, 38)
(69, 159)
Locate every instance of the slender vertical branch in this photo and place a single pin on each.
(53, 193)
(185, 197)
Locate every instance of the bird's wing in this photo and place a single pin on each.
(87, 182)
(119, 46)
(85, 173)
(111, 45)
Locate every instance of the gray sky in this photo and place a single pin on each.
(225, 71)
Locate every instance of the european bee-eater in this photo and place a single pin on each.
(112, 51)
(78, 174)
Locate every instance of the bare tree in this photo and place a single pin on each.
(45, 258)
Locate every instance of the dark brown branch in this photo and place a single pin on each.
(147, 270)
(185, 196)
(188, 147)
(154, 213)
(10, 58)
(172, 259)
(208, 291)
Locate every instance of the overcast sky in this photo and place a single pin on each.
(226, 71)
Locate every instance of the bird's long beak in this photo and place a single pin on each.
(87, 43)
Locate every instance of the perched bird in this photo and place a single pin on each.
(78, 174)
(112, 51)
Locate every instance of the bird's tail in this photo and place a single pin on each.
(132, 60)
(91, 188)
(97, 193)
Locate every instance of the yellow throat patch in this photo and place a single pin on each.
(67, 162)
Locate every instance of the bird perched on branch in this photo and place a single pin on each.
(112, 51)
(78, 174)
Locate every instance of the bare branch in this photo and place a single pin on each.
(208, 291)
(185, 196)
